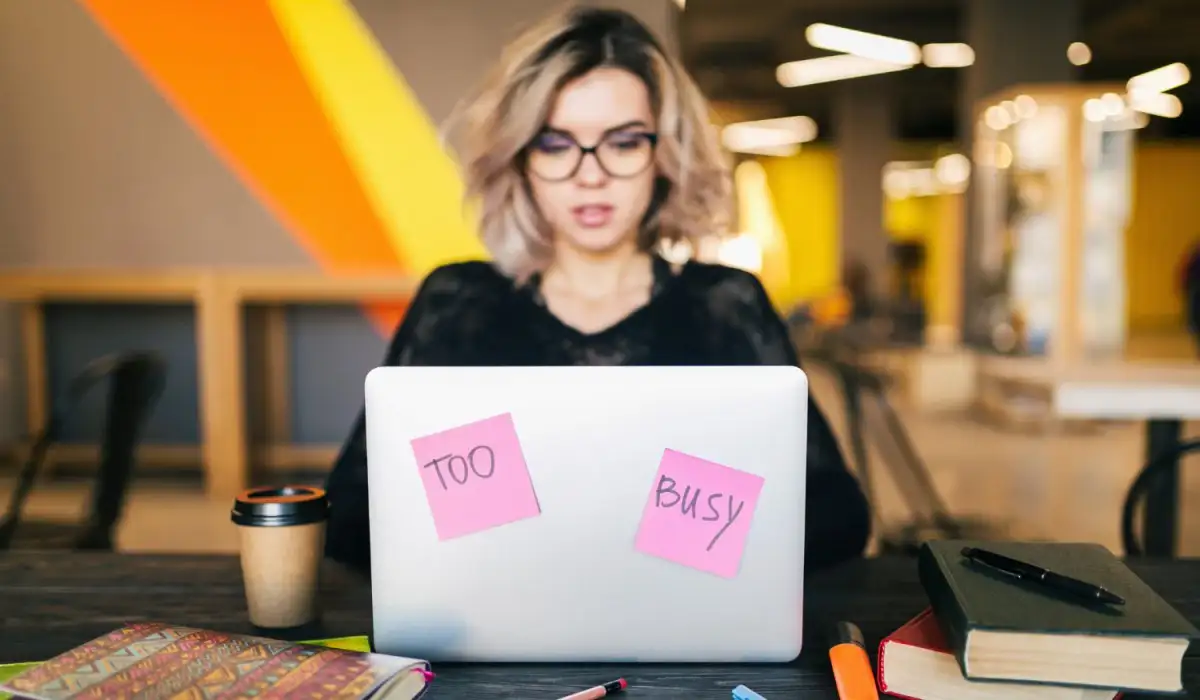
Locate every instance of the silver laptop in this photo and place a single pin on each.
(599, 514)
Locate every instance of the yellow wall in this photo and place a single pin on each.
(1166, 222)
(910, 219)
(805, 190)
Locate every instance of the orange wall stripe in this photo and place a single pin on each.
(385, 132)
(227, 69)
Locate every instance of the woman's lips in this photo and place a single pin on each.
(593, 215)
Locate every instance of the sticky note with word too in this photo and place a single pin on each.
(475, 477)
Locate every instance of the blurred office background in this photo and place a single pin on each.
(965, 204)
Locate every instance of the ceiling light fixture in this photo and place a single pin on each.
(902, 180)
(1114, 104)
(863, 44)
(953, 170)
(1094, 110)
(1079, 53)
(956, 55)
(830, 68)
(997, 118)
(1162, 79)
(770, 137)
(1026, 106)
(1160, 104)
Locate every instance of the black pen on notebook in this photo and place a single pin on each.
(1044, 577)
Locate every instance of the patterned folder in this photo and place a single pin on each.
(155, 661)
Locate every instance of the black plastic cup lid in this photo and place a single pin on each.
(282, 506)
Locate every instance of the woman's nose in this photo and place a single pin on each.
(591, 173)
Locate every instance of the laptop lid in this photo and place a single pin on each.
(587, 513)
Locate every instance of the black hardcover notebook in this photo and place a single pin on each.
(1001, 628)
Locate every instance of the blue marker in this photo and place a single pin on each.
(743, 693)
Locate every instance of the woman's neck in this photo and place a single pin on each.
(597, 276)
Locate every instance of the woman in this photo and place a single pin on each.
(587, 149)
(1190, 284)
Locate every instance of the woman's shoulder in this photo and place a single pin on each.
(454, 301)
(722, 283)
(453, 289)
(466, 272)
(468, 277)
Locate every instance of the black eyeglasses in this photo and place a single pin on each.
(556, 156)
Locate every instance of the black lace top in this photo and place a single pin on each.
(468, 314)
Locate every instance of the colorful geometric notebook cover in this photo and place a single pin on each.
(150, 661)
(8, 671)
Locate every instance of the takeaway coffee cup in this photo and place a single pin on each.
(283, 538)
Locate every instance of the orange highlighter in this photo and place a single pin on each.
(851, 665)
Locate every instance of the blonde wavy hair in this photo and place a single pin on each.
(492, 130)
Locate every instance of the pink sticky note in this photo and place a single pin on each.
(699, 514)
(475, 477)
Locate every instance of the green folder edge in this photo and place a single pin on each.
(361, 643)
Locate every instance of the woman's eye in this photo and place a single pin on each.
(626, 143)
(553, 144)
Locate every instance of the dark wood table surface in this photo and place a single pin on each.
(52, 602)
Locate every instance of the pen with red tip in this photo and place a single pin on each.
(599, 691)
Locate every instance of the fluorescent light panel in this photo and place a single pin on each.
(830, 68)
(901, 180)
(953, 169)
(863, 44)
(1162, 79)
(772, 137)
(1079, 53)
(1160, 104)
(955, 55)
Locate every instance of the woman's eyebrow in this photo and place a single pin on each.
(632, 124)
(636, 123)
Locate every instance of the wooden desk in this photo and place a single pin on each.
(52, 602)
(220, 299)
(1161, 394)
(1164, 395)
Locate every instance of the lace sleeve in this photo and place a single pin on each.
(838, 517)
(424, 337)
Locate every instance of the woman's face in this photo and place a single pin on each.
(591, 170)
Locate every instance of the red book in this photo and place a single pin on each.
(915, 663)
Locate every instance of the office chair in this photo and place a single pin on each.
(871, 419)
(135, 382)
(1141, 486)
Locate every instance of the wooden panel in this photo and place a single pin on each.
(33, 339)
(265, 286)
(88, 286)
(222, 413)
(272, 457)
(276, 365)
(291, 288)
(220, 299)
(1066, 342)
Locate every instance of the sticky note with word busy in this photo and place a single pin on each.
(699, 513)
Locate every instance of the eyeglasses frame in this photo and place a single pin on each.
(593, 150)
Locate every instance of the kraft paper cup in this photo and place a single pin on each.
(282, 532)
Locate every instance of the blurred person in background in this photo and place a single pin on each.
(586, 149)
(1190, 289)
(856, 278)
